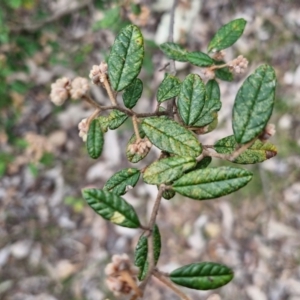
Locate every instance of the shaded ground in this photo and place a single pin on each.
(53, 246)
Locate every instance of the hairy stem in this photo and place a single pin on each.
(136, 128)
(109, 92)
(170, 285)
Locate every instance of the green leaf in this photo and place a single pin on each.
(203, 163)
(202, 276)
(167, 169)
(174, 51)
(169, 88)
(141, 252)
(168, 194)
(103, 122)
(95, 140)
(253, 104)
(191, 99)
(133, 93)
(257, 153)
(116, 119)
(211, 106)
(15, 4)
(211, 182)
(209, 127)
(121, 180)
(126, 57)
(227, 35)
(136, 157)
(111, 207)
(223, 73)
(199, 59)
(169, 136)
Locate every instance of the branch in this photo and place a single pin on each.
(169, 284)
(59, 14)
(150, 237)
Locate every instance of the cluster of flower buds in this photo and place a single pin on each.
(79, 87)
(140, 147)
(121, 275)
(98, 73)
(209, 73)
(83, 128)
(238, 65)
(60, 91)
(63, 88)
(219, 55)
(267, 132)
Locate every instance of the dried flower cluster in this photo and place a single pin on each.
(83, 128)
(79, 87)
(238, 65)
(60, 91)
(121, 275)
(140, 147)
(98, 73)
(219, 56)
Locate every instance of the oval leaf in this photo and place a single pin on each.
(202, 276)
(227, 35)
(253, 104)
(211, 182)
(169, 136)
(258, 152)
(95, 140)
(199, 59)
(116, 119)
(126, 57)
(168, 169)
(119, 182)
(174, 51)
(111, 207)
(133, 93)
(141, 252)
(168, 194)
(169, 88)
(191, 99)
(212, 104)
(135, 157)
(203, 163)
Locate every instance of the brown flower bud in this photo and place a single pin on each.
(79, 87)
(267, 132)
(60, 91)
(83, 128)
(238, 65)
(98, 73)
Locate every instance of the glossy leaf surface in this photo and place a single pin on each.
(95, 140)
(111, 207)
(257, 153)
(174, 51)
(211, 183)
(253, 104)
(116, 119)
(133, 93)
(202, 276)
(119, 182)
(199, 59)
(169, 136)
(212, 104)
(168, 169)
(227, 35)
(169, 88)
(126, 57)
(141, 252)
(191, 99)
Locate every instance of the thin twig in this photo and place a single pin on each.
(150, 237)
(136, 128)
(110, 92)
(171, 102)
(170, 285)
(241, 149)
